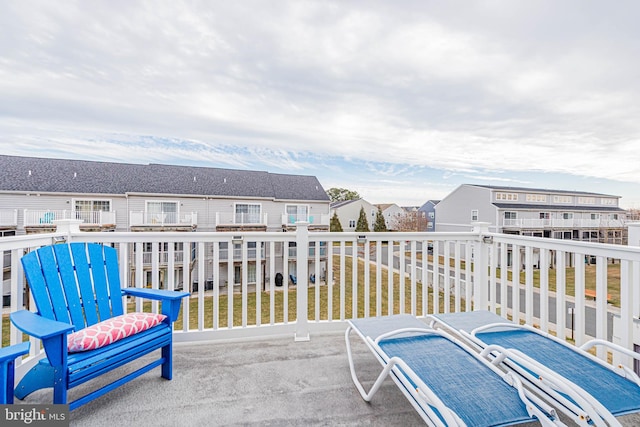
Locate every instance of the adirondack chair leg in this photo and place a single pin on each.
(40, 376)
(7, 373)
(167, 354)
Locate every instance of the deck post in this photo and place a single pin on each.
(67, 227)
(302, 286)
(481, 262)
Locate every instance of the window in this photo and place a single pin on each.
(595, 216)
(89, 210)
(608, 202)
(474, 215)
(297, 213)
(536, 198)
(247, 213)
(586, 200)
(162, 211)
(562, 199)
(545, 215)
(251, 274)
(507, 196)
(510, 215)
(567, 215)
(352, 223)
(432, 215)
(613, 216)
(92, 205)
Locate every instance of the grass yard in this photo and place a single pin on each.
(223, 309)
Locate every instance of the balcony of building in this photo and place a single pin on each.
(560, 223)
(162, 221)
(276, 356)
(43, 219)
(8, 218)
(315, 222)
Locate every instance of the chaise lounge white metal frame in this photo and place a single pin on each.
(412, 335)
(585, 374)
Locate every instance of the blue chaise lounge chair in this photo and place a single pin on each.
(616, 391)
(446, 382)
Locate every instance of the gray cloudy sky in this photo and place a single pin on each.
(401, 101)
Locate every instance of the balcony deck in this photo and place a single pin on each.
(257, 382)
(275, 382)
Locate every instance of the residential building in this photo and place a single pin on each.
(109, 196)
(348, 212)
(392, 214)
(428, 211)
(558, 214)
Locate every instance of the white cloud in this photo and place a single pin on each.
(492, 86)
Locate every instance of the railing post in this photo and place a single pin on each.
(302, 270)
(633, 238)
(480, 283)
(67, 227)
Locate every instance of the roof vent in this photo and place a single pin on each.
(75, 174)
(29, 172)
(194, 179)
(225, 180)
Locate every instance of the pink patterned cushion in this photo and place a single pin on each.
(111, 330)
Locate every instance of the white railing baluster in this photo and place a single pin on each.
(601, 303)
(561, 298)
(579, 312)
(544, 289)
(528, 284)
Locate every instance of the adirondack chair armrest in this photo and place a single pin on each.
(9, 353)
(171, 300)
(52, 333)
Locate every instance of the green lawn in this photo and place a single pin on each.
(292, 295)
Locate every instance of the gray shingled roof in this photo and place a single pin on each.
(540, 190)
(32, 174)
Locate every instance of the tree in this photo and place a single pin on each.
(363, 224)
(335, 225)
(411, 221)
(342, 194)
(380, 224)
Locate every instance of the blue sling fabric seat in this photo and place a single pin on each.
(76, 286)
(618, 392)
(446, 382)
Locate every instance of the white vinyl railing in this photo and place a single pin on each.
(144, 218)
(37, 217)
(292, 219)
(241, 218)
(9, 217)
(562, 223)
(363, 275)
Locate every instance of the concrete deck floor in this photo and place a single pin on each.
(275, 382)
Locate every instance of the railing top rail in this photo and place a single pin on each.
(591, 248)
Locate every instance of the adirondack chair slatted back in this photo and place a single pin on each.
(75, 283)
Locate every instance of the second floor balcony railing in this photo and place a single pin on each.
(241, 218)
(162, 219)
(556, 223)
(541, 281)
(44, 217)
(8, 217)
(319, 219)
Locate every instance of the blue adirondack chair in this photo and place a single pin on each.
(76, 286)
(8, 356)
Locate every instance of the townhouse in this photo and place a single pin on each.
(110, 196)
